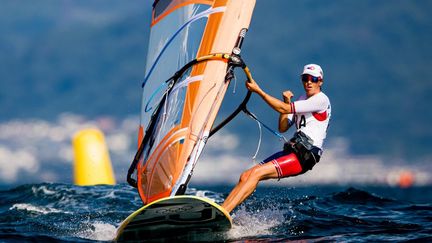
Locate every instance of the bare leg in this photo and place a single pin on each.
(247, 184)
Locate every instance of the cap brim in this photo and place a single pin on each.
(310, 72)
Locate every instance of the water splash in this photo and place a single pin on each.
(257, 222)
(99, 231)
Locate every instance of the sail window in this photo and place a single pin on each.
(162, 6)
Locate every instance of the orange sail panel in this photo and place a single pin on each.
(178, 122)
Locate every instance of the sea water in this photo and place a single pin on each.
(67, 213)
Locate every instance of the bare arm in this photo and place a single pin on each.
(284, 123)
(273, 102)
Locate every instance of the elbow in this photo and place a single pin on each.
(283, 129)
(284, 110)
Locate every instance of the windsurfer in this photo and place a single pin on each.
(311, 115)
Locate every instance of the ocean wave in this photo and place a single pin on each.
(35, 209)
(42, 189)
(271, 213)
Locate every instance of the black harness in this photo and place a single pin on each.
(302, 145)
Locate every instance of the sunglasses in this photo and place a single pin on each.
(306, 77)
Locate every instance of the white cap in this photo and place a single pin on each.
(314, 70)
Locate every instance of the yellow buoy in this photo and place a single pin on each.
(92, 164)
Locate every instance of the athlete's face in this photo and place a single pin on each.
(311, 86)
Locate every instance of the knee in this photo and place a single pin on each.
(244, 176)
(247, 175)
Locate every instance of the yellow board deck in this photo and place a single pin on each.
(179, 217)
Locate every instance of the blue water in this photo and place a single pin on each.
(68, 213)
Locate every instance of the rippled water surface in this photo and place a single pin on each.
(63, 212)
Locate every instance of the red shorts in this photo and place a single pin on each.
(286, 164)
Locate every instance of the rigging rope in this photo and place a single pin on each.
(259, 140)
(281, 137)
(260, 123)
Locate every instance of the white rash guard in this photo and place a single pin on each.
(311, 116)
